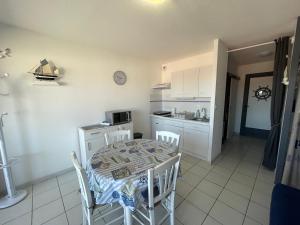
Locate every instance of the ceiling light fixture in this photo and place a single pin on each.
(156, 2)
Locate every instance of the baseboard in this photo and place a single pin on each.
(39, 180)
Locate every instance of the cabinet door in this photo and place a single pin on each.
(157, 125)
(205, 81)
(177, 84)
(190, 82)
(91, 146)
(196, 142)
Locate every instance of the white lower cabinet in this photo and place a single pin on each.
(196, 143)
(91, 139)
(194, 135)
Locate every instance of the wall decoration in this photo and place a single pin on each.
(120, 77)
(45, 73)
(262, 93)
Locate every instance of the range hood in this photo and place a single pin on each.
(162, 86)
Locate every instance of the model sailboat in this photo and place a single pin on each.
(45, 71)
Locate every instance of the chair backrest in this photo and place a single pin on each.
(85, 192)
(168, 137)
(116, 136)
(166, 175)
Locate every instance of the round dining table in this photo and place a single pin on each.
(118, 172)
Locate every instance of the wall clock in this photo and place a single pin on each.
(120, 77)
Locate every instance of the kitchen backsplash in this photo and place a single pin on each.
(185, 106)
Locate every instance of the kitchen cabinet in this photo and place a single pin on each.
(194, 136)
(177, 84)
(192, 83)
(205, 81)
(92, 139)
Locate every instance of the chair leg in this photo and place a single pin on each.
(90, 218)
(172, 208)
(84, 219)
(152, 217)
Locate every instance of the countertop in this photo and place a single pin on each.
(181, 120)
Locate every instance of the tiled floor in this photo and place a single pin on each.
(235, 190)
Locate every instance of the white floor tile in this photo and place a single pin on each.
(217, 178)
(178, 200)
(17, 210)
(258, 213)
(235, 201)
(200, 200)
(261, 198)
(191, 179)
(188, 214)
(199, 171)
(45, 186)
(190, 159)
(222, 171)
(263, 187)
(183, 189)
(75, 215)
(47, 212)
(209, 188)
(60, 220)
(226, 215)
(205, 165)
(185, 165)
(238, 188)
(211, 221)
(72, 199)
(45, 197)
(243, 179)
(67, 177)
(24, 220)
(249, 221)
(69, 187)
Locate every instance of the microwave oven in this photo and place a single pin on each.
(118, 117)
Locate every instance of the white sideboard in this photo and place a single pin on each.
(194, 135)
(91, 138)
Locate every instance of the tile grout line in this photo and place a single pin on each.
(223, 188)
(65, 212)
(31, 205)
(252, 193)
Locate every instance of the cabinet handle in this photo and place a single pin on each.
(89, 146)
(95, 133)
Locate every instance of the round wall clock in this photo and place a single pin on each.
(120, 77)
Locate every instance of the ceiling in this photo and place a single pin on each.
(254, 55)
(173, 29)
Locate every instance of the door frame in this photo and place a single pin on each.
(247, 131)
(229, 78)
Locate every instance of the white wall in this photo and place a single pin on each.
(242, 71)
(41, 127)
(220, 61)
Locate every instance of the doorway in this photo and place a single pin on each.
(255, 119)
(229, 105)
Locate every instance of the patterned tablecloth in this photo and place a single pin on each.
(118, 172)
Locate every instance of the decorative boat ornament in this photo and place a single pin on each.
(45, 71)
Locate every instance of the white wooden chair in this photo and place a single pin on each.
(116, 136)
(168, 138)
(89, 208)
(166, 174)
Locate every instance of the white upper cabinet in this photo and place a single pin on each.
(205, 81)
(192, 83)
(177, 84)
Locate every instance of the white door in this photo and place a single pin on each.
(190, 82)
(177, 84)
(258, 111)
(205, 81)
